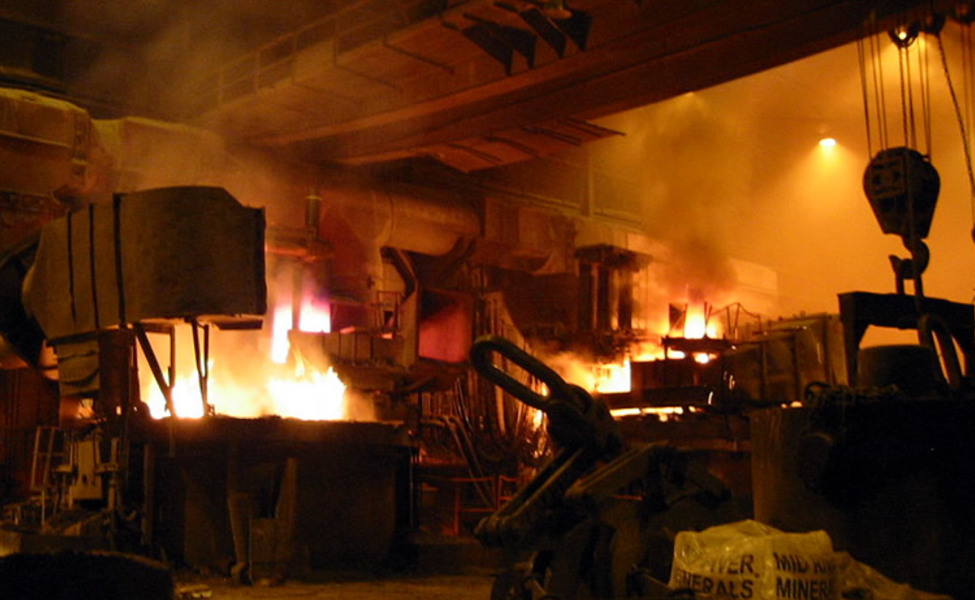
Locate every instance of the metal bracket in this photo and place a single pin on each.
(166, 387)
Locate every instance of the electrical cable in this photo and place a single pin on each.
(861, 57)
(967, 80)
(924, 70)
(961, 126)
(878, 85)
(907, 98)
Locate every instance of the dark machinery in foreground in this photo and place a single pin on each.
(588, 515)
(884, 465)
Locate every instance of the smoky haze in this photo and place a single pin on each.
(730, 172)
(159, 56)
(735, 171)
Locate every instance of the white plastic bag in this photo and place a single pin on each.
(748, 560)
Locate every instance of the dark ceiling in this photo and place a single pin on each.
(473, 84)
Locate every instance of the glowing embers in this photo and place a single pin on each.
(662, 413)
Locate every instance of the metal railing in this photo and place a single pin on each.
(348, 28)
(465, 502)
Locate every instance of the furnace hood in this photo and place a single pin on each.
(170, 253)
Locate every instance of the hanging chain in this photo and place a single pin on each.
(878, 85)
(872, 87)
(907, 97)
(862, 58)
(968, 81)
(961, 126)
(924, 74)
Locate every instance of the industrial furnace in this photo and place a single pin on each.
(385, 285)
(236, 495)
(362, 307)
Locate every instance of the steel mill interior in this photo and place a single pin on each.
(586, 298)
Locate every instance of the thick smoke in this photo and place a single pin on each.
(734, 172)
(178, 47)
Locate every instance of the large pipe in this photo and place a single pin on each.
(47, 146)
(359, 221)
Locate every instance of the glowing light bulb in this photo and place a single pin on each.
(904, 35)
(827, 142)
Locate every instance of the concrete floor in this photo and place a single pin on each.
(445, 568)
(474, 586)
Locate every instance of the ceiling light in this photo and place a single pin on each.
(827, 143)
(904, 35)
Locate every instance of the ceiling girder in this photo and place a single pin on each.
(622, 55)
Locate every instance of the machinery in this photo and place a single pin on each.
(884, 462)
(88, 288)
(588, 516)
(870, 444)
(105, 283)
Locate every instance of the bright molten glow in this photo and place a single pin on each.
(612, 378)
(313, 395)
(250, 374)
(697, 325)
(187, 400)
(316, 396)
(604, 378)
(315, 315)
(538, 417)
(663, 413)
(280, 326)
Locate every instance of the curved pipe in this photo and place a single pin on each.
(411, 219)
(360, 221)
(47, 146)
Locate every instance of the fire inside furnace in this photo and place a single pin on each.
(254, 375)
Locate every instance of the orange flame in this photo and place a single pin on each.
(281, 324)
(260, 384)
(314, 396)
(696, 323)
(310, 396)
(316, 315)
(612, 377)
(662, 413)
(604, 378)
(698, 326)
